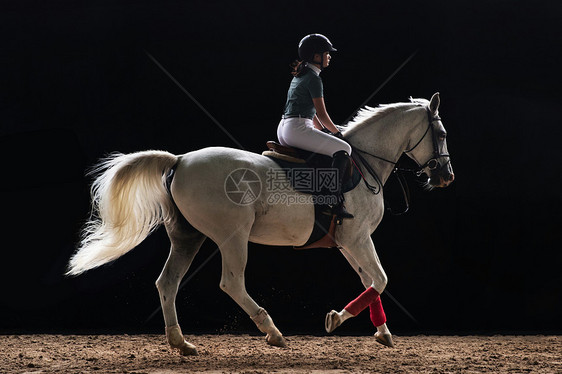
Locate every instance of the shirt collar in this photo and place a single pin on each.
(315, 69)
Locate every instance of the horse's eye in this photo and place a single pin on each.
(442, 136)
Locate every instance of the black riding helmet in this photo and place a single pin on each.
(312, 44)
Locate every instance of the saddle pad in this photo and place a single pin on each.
(322, 235)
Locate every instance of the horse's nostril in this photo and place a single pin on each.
(451, 177)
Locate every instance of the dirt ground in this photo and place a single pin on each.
(305, 354)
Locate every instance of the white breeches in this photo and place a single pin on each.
(300, 132)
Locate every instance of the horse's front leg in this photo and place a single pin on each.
(364, 260)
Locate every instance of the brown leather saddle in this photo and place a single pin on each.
(282, 152)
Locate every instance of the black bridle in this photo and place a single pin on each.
(432, 164)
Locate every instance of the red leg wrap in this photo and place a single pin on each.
(356, 306)
(377, 312)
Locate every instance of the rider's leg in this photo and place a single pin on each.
(280, 131)
(300, 133)
(342, 162)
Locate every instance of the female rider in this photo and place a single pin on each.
(305, 113)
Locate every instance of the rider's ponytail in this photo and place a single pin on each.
(298, 68)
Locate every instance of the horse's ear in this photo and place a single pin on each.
(434, 103)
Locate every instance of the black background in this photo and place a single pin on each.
(482, 256)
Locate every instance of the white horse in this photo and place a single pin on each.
(130, 200)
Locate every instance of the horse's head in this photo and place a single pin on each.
(429, 142)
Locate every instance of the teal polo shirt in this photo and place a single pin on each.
(301, 92)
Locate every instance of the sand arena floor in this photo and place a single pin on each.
(306, 354)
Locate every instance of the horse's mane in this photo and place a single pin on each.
(369, 114)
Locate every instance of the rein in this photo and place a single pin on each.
(398, 171)
(378, 188)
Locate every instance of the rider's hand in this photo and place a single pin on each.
(338, 134)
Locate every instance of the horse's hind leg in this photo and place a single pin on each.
(234, 251)
(186, 242)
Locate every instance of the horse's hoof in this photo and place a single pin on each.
(188, 349)
(333, 320)
(177, 341)
(384, 339)
(277, 340)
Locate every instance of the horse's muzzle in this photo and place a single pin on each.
(442, 176)
(447, 180)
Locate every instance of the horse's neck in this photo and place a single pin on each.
(386, 138)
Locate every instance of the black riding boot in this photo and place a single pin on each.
(342, 162)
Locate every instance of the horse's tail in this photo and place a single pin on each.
(129, 201)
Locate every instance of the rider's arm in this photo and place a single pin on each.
(322, 114)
